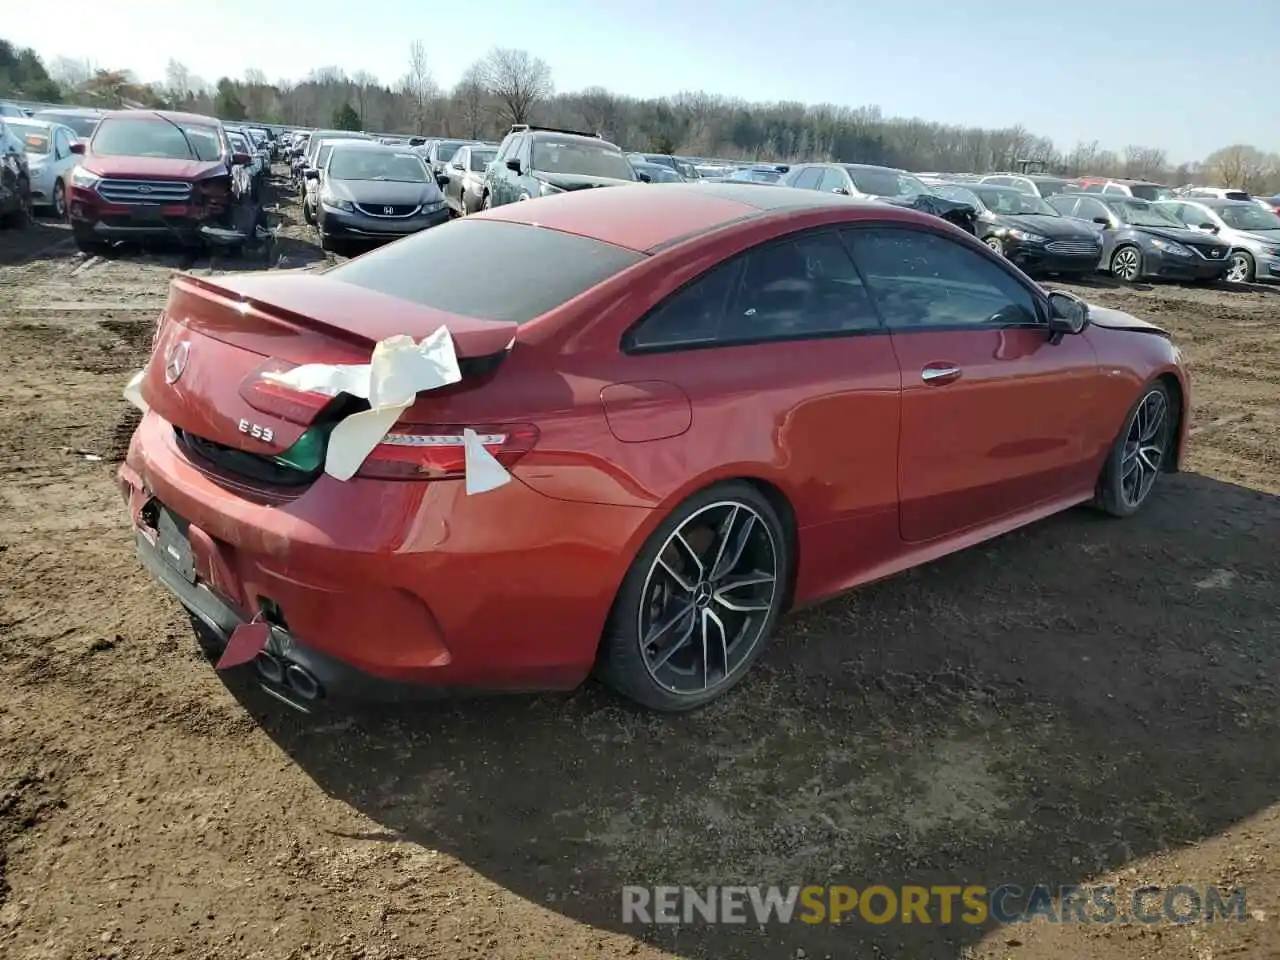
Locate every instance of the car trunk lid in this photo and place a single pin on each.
(218, 339)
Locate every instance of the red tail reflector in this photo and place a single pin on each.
(267, 396)
(411, 452)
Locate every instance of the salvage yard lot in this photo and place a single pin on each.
(1071, 703)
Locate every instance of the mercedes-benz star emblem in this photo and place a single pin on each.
(175, 361)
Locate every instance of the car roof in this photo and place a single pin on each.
(646, 219)
(161, 115)
(74, 111)
(1220, 203)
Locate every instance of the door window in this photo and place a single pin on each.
(833, 179)
(808, 178)
(798, 287)
(923, 281)
(1089, 208)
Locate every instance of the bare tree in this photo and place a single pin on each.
(517, 80)
(419, 85)
(1143, 163)
(471, 101)
(1240, 165)
(177, 81)
(72, 72)
(364, 82)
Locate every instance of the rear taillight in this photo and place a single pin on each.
(267, 396)
(437, 453)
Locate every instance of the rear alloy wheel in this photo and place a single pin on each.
(699, 600)
(996, 244)
(1138, 456)
(1240, 268)
(1126, 264)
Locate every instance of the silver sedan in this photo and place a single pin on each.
(465, 170)
(50, 160)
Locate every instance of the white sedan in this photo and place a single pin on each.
(49, 156)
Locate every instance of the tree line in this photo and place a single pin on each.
(514, 86)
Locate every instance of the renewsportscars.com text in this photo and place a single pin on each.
(942, 904)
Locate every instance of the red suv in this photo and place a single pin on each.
(149, 175)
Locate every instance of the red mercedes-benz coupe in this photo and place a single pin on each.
(714, 403)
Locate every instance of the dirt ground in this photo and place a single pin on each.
(1082, 701)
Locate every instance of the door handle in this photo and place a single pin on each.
(939, 374)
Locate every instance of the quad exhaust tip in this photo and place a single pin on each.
(292, 677)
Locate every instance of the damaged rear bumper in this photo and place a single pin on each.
(387, 589)
(287, 669)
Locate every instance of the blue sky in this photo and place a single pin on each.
(1183, 75)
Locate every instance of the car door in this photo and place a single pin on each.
(63, 158)
(996, 418)
(1092, 211)
(456, 169)
(787, 329)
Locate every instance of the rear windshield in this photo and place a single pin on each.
(157, 138)
(82, 125)
(535, 269)
(34, 137)
(1150, 191)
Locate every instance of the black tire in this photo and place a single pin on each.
(1126, 263)
(486, 202)
(995, 245)
(1115, 493)
(1248, 267)
(307, 215)
(621, 662)
(88, 244)
(60, 201)
(19, 219)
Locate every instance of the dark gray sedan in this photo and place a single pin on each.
(370, 192)
(1140, 241)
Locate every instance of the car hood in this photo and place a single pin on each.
(1057, 228)
(579, 181)
(1119, 320)
(395, 192)
(155, 168)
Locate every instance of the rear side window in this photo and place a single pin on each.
(803, 286)
(487, 269)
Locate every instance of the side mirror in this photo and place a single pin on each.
(843, 191)
(644, 177)
(455, 165)
(513, 164)
(1103, 221)
(78, 148)
(311, 174)
(442, 180)
(239, 159)
(1209, 226)
(1068, 314)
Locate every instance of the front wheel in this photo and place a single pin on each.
(60, 201)
(307, 213)
(486, 203)
(1240, 268)
(1126, 264)
(699, 601)
(996, 245)
(1138, 455)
